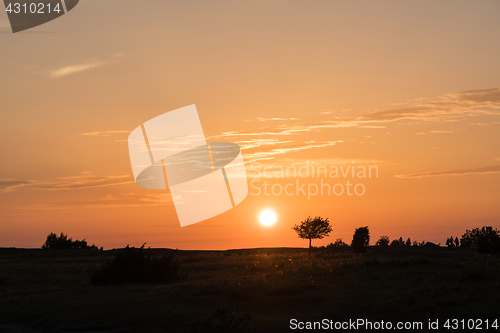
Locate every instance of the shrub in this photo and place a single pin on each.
(486, 239)
(383, 241)
(360, 239)
(395, 243)
(338, 245)
(62, 242)
(138, 266)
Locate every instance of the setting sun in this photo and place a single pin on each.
(267, 217)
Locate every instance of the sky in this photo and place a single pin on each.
(409, 87)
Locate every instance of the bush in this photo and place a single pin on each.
(486, 239)
(383, 241)
(62, 242)
(138, 266)
(395, 243)
(360, 239)
(338, 245)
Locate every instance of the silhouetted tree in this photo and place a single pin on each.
(457, 242)
(360, 239)
(62, 242)
(383, 241)
(408, 242)
(395, 243)
(486, 239)
(313, 228)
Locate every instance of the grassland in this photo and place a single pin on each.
(49, 290)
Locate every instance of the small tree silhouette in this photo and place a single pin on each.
(360, 239)
(62, 242)
(408, 242)
(313, 228)
(383, 241)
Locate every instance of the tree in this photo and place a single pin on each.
(383, 241)
(486, 239)
(360, 239)
(57, 242)
(62, 242)
(408, 242)
(313, 228)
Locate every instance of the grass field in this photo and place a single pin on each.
(257, 290)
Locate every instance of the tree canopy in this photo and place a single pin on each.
(485, 239)
(313, 228)
(360, 239)
(63, 242)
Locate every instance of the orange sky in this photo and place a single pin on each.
(410, 87)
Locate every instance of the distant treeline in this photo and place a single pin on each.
(484, 240)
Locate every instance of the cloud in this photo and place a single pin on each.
(286, 130)
(271, 119)
(8, 185)
(438, 132)
(267, 155)
(122, 200)
(464, 103)
(104, 133)
(68, 70)
(485, 170)
(489, 97)
(82, 181)
(249, 144)
(160, 198)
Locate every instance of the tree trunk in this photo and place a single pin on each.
(310, 246)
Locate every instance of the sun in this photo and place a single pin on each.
(267, 217)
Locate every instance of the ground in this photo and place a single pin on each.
(257, 290)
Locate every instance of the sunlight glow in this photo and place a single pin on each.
(267, 217)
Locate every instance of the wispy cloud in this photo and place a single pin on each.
(121, 200)
(271, 119)
(8, 185)
(439, 132)
(270, 154)
(485, 170)
(82, 181)
(464, 103)
(160, 198)
(73, 69)
(104, 133)
(447, 108)
(286, 130)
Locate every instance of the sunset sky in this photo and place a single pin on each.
(412, 87)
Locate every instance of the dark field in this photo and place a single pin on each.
(257, 290)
